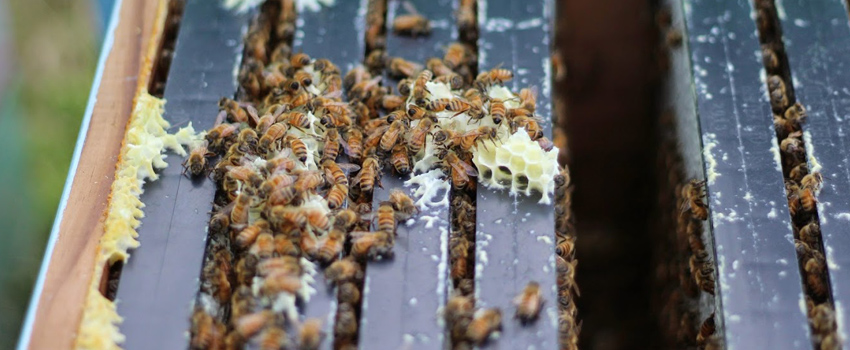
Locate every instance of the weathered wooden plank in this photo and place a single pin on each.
(402, 295)
(57, 302)
(160, 281)
(761, 291)
(333, 33)
(515, 236)
(817, 44)
(678, 97)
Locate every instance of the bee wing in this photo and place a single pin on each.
(348, 167)
(253, 114)
(461, 166)
(222, 114)
(333, 94)
(410, 8)
(345, 146)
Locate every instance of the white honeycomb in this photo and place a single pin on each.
(519, 164)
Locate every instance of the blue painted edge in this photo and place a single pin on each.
(106, 48)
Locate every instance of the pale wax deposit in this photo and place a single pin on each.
(145, 142)
(525, 160)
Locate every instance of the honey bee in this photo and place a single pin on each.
(248, 325)
(459, 252)
(401, 68)
(778, 100)
(497, 110)
(336, 195)
(241, 174)
(220, 287)
(310, 334)
(412, 24)
(298, 147)
(345, 219)
(234, 110)
(493, 77)
(246, 269)
(815, 276)
(808, 201)
(218, 135)
(810, 233)
(353, 144)
(674, 37)
(415, 112)
(793, 148)
(466, 21)
(775, 83)
(263, 247)
(566, 248)
(309, 181)
(483, 324)
(325, 66)
(304, 79)
(693, 195)
(706, 330)
(529, 302)
(369, 175)
(346, 322)
(248, 235)
(812, 181)
(437, 66)
(822, 317)
(404, 86)
(287, 195)
(349, 293)
(296, 120)
(317, 218)
(418, 135)
(309, 245)
(196, 163)
(420, 88)
(206, 332)
(277, 180)
(400, 159)
(386, 217)
(273, 338)
(796, 113)
(456, 55)
(239, 214)
(769, 58)
(219, 222)
(284, 246)
(343, 270)
(531, 125)
(403, 204)
(277, 283)
(460, 170)
(371, 245)
(330, 150)
(528, 99)
(453, 80)
(299, 60)
(331, 246)
(392, 102)
(374, 38)
(375, 61)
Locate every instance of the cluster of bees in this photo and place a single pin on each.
(801, 185)
(684, 270)
(287, 200)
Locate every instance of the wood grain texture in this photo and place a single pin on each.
(69, 271)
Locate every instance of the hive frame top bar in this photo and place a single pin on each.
(679, 97)
(817, 44)
(157, 306)
(761, 288)
(515, 235)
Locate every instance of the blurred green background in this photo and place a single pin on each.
(48, 54)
